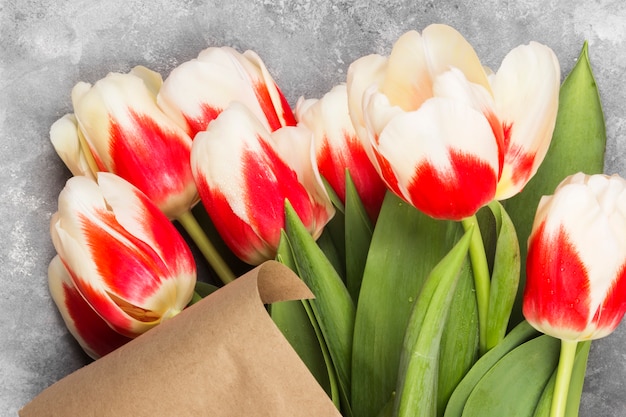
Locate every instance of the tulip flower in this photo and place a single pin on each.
(198, 90)
(576, 265)
(446, 135)
(92, 333)
(576, 268)
(126, 133)
(337, 148)
(123, 256)
(244, 174)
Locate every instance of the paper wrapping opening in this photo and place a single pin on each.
(223, 356)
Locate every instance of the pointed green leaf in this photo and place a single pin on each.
(417, 379)
(332, 307)
(514, 385)
(578, 144)
(358, 234)
(405, 247)
(459, 342)
(294, 323)
(520, 334)
(504, 278)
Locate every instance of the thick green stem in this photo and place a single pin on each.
(563, 377)
(482, 279)
(206, 247)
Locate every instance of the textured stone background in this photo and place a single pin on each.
(46, 46)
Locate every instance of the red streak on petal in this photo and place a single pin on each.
(167, 240)
(129, 268)
(557, 286)
(268, 182)
(154, 159)
(332, 164)
(612, 310)
(521, 163)
(455, 194)
(200, 122)
(235, 232)
(94, 332)
(271, 112)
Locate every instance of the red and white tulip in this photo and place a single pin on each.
(576, 265)
(244, 174)
(447, 135)
(338, 148)
(123, 257)
(198, 90)
(127, 134)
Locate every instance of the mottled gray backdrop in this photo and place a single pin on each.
(46, 46)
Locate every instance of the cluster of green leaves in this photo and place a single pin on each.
(393, 330)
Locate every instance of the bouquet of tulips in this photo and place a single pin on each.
(443, 215)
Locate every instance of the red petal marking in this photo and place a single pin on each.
(94, 332)
(557, 284)
(521, 163)
(270, 111)
(235, 232)
(502, 133)
(456, 194)
(268, 182)
(167, 241)
(201, 122)
(387, 173)
(332, 164)
(612, 310)
(101, 304)
(128, 267)
(150, 157)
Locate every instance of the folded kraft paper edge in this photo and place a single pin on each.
(223, 356)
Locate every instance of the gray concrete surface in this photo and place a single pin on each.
(46, 46)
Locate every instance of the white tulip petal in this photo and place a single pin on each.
(408, 81)
(526, 92)
(445, 47)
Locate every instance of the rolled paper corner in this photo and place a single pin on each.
(223, 356)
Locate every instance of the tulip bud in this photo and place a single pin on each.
(123, 256)
(244, 175)
(576, 265)
(127, 134)
(338, 148)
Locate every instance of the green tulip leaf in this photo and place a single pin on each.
(358, 232)
(578, 145)
(299, 327)
(332, 307)
(514, 385)
(520, 334)
(504, 277)
(459, 342)
(405, 247)
(419, 361)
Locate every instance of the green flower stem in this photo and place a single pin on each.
(206, 247)
(482, 280)
(563, 377)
